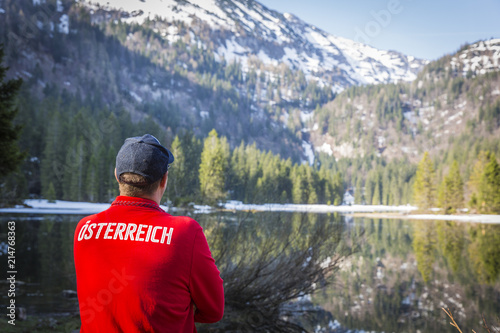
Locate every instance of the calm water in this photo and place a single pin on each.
(392, 275)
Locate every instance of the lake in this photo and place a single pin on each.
(322, 272)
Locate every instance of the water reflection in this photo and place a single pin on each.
(399, 277)
(408, 270)
(44, 261)
(269, 259)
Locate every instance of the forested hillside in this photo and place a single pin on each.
(89, 87)
(106, 63)
(451, 111)
(444, 103)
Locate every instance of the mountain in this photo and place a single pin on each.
(249, 29)
(253, 74)
(454, 101)
(476, 59)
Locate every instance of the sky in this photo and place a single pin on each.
(426, 29)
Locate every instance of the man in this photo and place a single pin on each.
(139, 269)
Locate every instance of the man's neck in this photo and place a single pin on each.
(154, 198)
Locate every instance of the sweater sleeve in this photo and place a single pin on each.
(205, 283)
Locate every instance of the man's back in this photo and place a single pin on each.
(140, 269)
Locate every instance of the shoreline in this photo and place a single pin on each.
(466, 218)
(42, 206)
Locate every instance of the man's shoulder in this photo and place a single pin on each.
(185, 221)
(87, 218)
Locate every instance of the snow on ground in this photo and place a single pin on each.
(85, 208)
(43, 206)
(325, 148)
(59, 6)
(480, 58)
(136, 97)
(57, 207)
(308, 150)
(315, 50)
(273, 207)
(233, 52)
(306, 116)
(64, 24)
(170, 10)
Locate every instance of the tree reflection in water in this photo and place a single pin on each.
(267, 260)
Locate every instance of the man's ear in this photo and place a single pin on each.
(164, 179)
(116, 177)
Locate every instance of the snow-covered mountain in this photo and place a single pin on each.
(458, 94)
(250, 29)
(479, 58)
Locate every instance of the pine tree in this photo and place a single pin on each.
(457, 187)
(489, 192)
(442, 196)
(376, 194)
(238, 175)
(213, 166)
(358, 192)
(313, 196)
(92, 181)
(424, 187)
(395, 194)
(53, 160)
(10, 154)
(111, 184)
(474, 182)
(176, 174)
(300, 185)
(51, 193)
(192, 148)
(369, 190)
(103, 178)
(451, 190)
(338, 189)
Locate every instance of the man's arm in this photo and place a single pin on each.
(205, 283)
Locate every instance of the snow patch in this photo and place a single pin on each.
(478, 58)
(232, 51)
(59, 6)
(306, 116)
(64, 24)
(308, 151)
(345, 149)
(325, 148)
(136, 97)
(313, 208)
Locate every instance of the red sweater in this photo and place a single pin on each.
(139, 269)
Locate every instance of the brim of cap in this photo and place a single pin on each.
(170, 157)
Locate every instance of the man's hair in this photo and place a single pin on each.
(135, 185)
